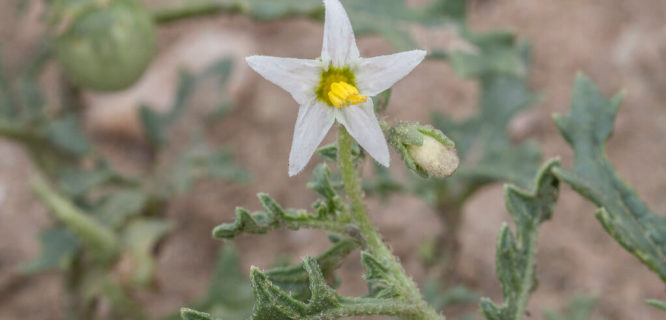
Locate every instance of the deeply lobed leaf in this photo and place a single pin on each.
(516, 263)
(330, 215)
(623, 214)
(273, 302)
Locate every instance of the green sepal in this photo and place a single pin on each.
(408, 134)
(516, 254)
(621, 212)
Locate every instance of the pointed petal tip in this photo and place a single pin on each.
(339, 45)
(293, 171)
(385, 162)
(252, 61)
(383, 157)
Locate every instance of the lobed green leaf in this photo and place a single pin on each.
(330, 213)
(294, 279)
(516, 254)
(623, 214)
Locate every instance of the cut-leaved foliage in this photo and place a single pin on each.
(622, 213)
(273, 302)
(516, 254)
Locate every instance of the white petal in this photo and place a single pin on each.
(314, 121)
(339, 44)
(377, 74)
(362, 124)
(299, 77)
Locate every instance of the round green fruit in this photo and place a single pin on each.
(106, 46)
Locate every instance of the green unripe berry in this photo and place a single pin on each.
(104, 45)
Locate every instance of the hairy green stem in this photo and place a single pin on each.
(402, 309)
(100, 239)
(373, 239)
(527, 282)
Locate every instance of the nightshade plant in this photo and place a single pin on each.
(335, 88)
(306, 291)
(106, 224)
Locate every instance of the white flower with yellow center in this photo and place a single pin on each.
(336, 87)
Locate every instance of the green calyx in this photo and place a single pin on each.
(330, 76)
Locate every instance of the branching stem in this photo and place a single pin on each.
(374, 242)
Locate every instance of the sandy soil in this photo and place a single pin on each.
(621, 45)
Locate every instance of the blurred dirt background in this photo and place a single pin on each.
(620, 45)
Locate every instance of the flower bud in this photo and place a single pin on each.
(103, 45)
(425, 150)
(434, 157)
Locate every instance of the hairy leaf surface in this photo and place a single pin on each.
(623, 214)
(516, 253)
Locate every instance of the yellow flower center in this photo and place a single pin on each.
(337, 88)
(343, 94)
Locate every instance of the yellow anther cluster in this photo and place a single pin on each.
(343, 94)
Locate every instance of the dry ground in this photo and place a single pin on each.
(621, 45)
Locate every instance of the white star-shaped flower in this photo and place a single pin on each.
(336, 87)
